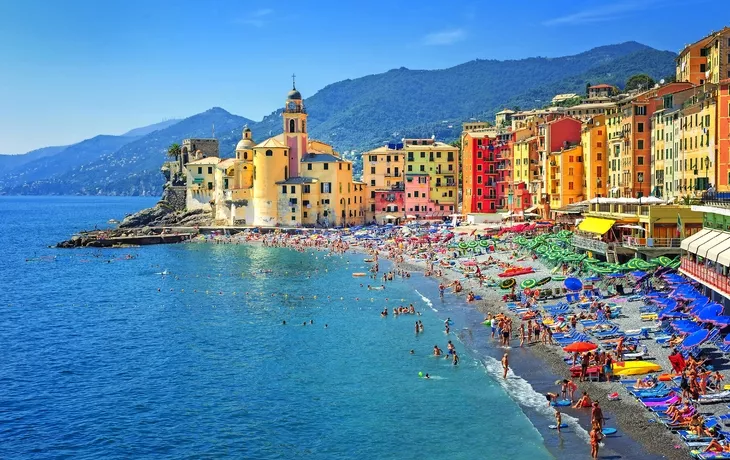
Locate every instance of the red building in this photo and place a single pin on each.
(389, 202)
(486, 161)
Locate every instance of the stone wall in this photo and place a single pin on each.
(175, 197)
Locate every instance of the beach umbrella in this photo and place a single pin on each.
(580, 347)
(696, 338)
(709, 312)
(721, 321)
(573, 284)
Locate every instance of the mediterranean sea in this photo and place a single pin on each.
(180, 352)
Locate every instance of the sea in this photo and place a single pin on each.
(232, 351)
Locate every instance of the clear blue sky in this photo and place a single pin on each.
(74, 69)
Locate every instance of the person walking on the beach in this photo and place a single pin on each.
(558, 419)
(522, 334)
(597, 415)
(595, 437)
(505, 365)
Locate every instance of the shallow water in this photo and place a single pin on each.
(103, 356)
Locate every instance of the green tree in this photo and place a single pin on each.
(639, 81)
(173, 151)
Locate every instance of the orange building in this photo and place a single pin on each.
(706, 60)
(723, 136)
(595, 157)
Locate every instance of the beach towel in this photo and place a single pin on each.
(678, 363)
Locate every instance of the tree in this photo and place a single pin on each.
(173, 151)
(639, 81)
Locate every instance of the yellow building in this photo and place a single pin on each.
(565, 177)
(441, 162)
(616, 137)
(659, 161)
(383, 173)
(697, 154)
(286, 180)
(594, 134)
(706, 60)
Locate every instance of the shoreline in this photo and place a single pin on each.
(626, 414)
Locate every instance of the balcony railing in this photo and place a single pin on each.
(720, 199)
(638, 243)
(589, 244)
(706, 275)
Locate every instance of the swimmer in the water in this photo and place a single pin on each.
(437, 351)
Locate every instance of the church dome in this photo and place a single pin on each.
(294, 95)
(245, 144)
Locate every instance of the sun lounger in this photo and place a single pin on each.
(714, 398)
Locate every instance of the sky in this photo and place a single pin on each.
(70, 70)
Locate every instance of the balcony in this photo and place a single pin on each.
(651, 243)
(706, 275)
(717, 199)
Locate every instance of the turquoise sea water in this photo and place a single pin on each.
(106, 357)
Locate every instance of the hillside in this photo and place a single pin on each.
(9, 162)
(361, 113)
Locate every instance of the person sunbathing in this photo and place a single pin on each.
(584, 401)
(716, 446)
(645, 383)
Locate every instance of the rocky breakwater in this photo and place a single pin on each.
(156, 225)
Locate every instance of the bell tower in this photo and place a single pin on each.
(295, 128)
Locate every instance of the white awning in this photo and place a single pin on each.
(695, 244)
(632, 227)
(691, 239)
(723, 258)
(532, 208)
(719, 249)
(706, 244)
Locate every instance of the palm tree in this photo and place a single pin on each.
(173, 151)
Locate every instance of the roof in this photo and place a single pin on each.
(271, 143)
(602, 85)
(206, 161)
(505, 111)
(226, 163)
(320, 158)
(298, 180)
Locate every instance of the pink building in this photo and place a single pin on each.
(417, 202)
(389, 203)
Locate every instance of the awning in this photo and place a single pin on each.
(198, 180)
(596, 225)
(532, 208)
(718, 238)
(690, 239)
(714, 252)
(695, 244)
(632, 227)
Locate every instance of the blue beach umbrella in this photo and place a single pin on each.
(696, 338)
(709, 312)
(721, 321)
(638, 273)
(573, 284)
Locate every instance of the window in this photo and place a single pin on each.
(373, 158)
(372, 208)
(283, 189)
(293, 189)
(306, 188)
(599, 156)
(640, 127)
(372, 183)
(292, 201)
(640, 110)
(423, 154)
(210, 170)
(450, 156)
(639, 161)
(210, 185)
(292, 126)
(326, 166)
(372, 170)
(599, 172)
(304, 214)
(438, 154)
(640, 144)
(200, 170)
(570, 186)
(326, 187)
(415, 194)
(309, 166)
(269, 153)
(423, 168)
(410, 168)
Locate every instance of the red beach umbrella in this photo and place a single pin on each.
(580, 347)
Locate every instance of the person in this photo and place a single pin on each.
(568, 388)
(450, 347)
(442, 288)
(493, 324)
(558, 419)
(584, 401)
(505, 365)
(447, 328)
(427, 376)
(437, 351)
(418, 329)
(522, 334)
(283, 323)
(413, 352)
(456, 359)
(597, 415)
(596, 435)
(551, 398)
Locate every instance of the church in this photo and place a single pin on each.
(287, 180)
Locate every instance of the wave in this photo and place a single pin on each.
(427, 301)
(522, 392)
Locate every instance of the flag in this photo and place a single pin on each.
(679, 225)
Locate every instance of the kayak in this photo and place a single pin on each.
(635, 367)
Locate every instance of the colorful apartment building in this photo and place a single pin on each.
(565, 176)
(594, 134)
(553, 138)
(441, 162)
(697, 142)
(384, 173)
(486, 160)
(723, 135)
(706, 60)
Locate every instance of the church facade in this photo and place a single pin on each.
(287, 180)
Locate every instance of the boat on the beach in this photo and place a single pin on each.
(635, 367)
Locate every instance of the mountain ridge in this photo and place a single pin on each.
(362, 113)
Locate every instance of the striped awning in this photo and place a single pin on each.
(198, 180)
(596, 225)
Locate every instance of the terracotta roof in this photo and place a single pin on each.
(602, 85)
